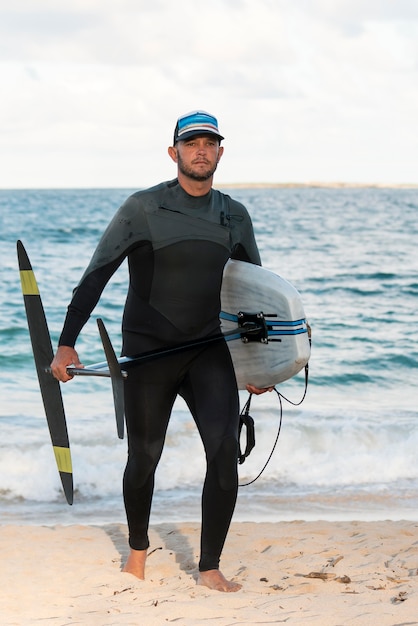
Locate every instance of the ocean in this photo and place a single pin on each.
(349, 451)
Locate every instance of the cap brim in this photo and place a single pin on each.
(196, 132)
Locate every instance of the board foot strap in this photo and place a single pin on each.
(275, 328)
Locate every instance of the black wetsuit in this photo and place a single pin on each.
(177, 246)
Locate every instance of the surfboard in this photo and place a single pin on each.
(50, 387)
(251, 293)
(263, 321)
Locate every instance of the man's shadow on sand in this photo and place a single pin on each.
(172, 538)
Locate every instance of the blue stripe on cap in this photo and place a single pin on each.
(200, 119)
(194, 123)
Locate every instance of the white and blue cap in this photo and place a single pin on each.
(196, 123)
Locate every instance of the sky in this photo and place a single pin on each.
(304, 90)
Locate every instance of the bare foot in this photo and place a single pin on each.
(135, 563)
(214, 579)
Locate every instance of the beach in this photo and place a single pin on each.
(346, 456)
(320, 573)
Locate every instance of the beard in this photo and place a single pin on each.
(190, 173)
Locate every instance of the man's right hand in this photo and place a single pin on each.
(64, 357)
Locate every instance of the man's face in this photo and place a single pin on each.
(198, 157)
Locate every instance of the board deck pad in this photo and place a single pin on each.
(253, 289)
(50, 387)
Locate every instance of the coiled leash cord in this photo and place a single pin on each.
(247, 421)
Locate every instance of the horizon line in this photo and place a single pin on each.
(242, 185)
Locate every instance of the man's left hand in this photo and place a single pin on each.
(257, 390)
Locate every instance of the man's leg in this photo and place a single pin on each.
(147, 411)
(211, 393)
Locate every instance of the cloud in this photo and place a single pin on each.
(303, 90)
(350, 16)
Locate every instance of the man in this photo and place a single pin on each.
(177, 237)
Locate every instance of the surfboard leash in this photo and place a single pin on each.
(247, 421)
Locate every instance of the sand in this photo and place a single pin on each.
(323, 573)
